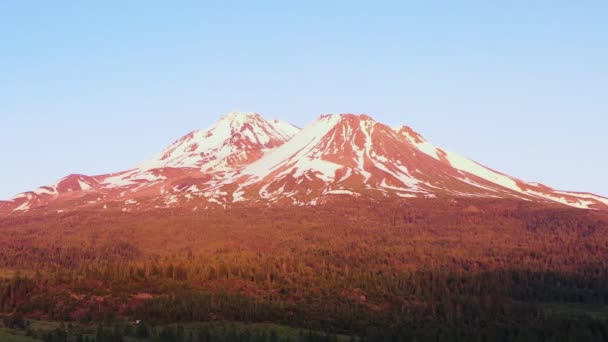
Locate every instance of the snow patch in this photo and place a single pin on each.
(342, 192)
(45, 191)
(23, 207)
(237, 196)
(83, 185)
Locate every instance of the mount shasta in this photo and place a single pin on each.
(244, 158)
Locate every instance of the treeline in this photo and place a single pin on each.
(425, 331)
(383, 299)
(178, 333)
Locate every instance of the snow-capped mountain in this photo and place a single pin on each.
(236, 139)
(200, 156)
(245, 158)
(355, 155)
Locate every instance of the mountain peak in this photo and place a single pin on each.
(413, 136)
(237, 114)
(236, 138)
(348, 116)
(240, 116)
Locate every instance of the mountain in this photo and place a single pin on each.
(234, 140)
(355, 155)
(245, 158)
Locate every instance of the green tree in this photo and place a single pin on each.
(141, 330)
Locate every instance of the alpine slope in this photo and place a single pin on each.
(244, 158)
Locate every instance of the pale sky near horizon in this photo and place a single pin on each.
(97, 87)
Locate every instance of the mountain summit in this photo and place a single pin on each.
(246, 158)
(236, 139)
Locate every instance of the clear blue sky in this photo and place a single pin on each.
(98, 86)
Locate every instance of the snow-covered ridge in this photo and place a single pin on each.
(225, 143)
(295, 151)
(532, 189)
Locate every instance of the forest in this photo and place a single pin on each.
(440, 269)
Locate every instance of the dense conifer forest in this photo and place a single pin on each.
(393, 270)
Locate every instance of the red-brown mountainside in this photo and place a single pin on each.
(244, 158)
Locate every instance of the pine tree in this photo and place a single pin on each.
(99, 334)
(141, 331)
